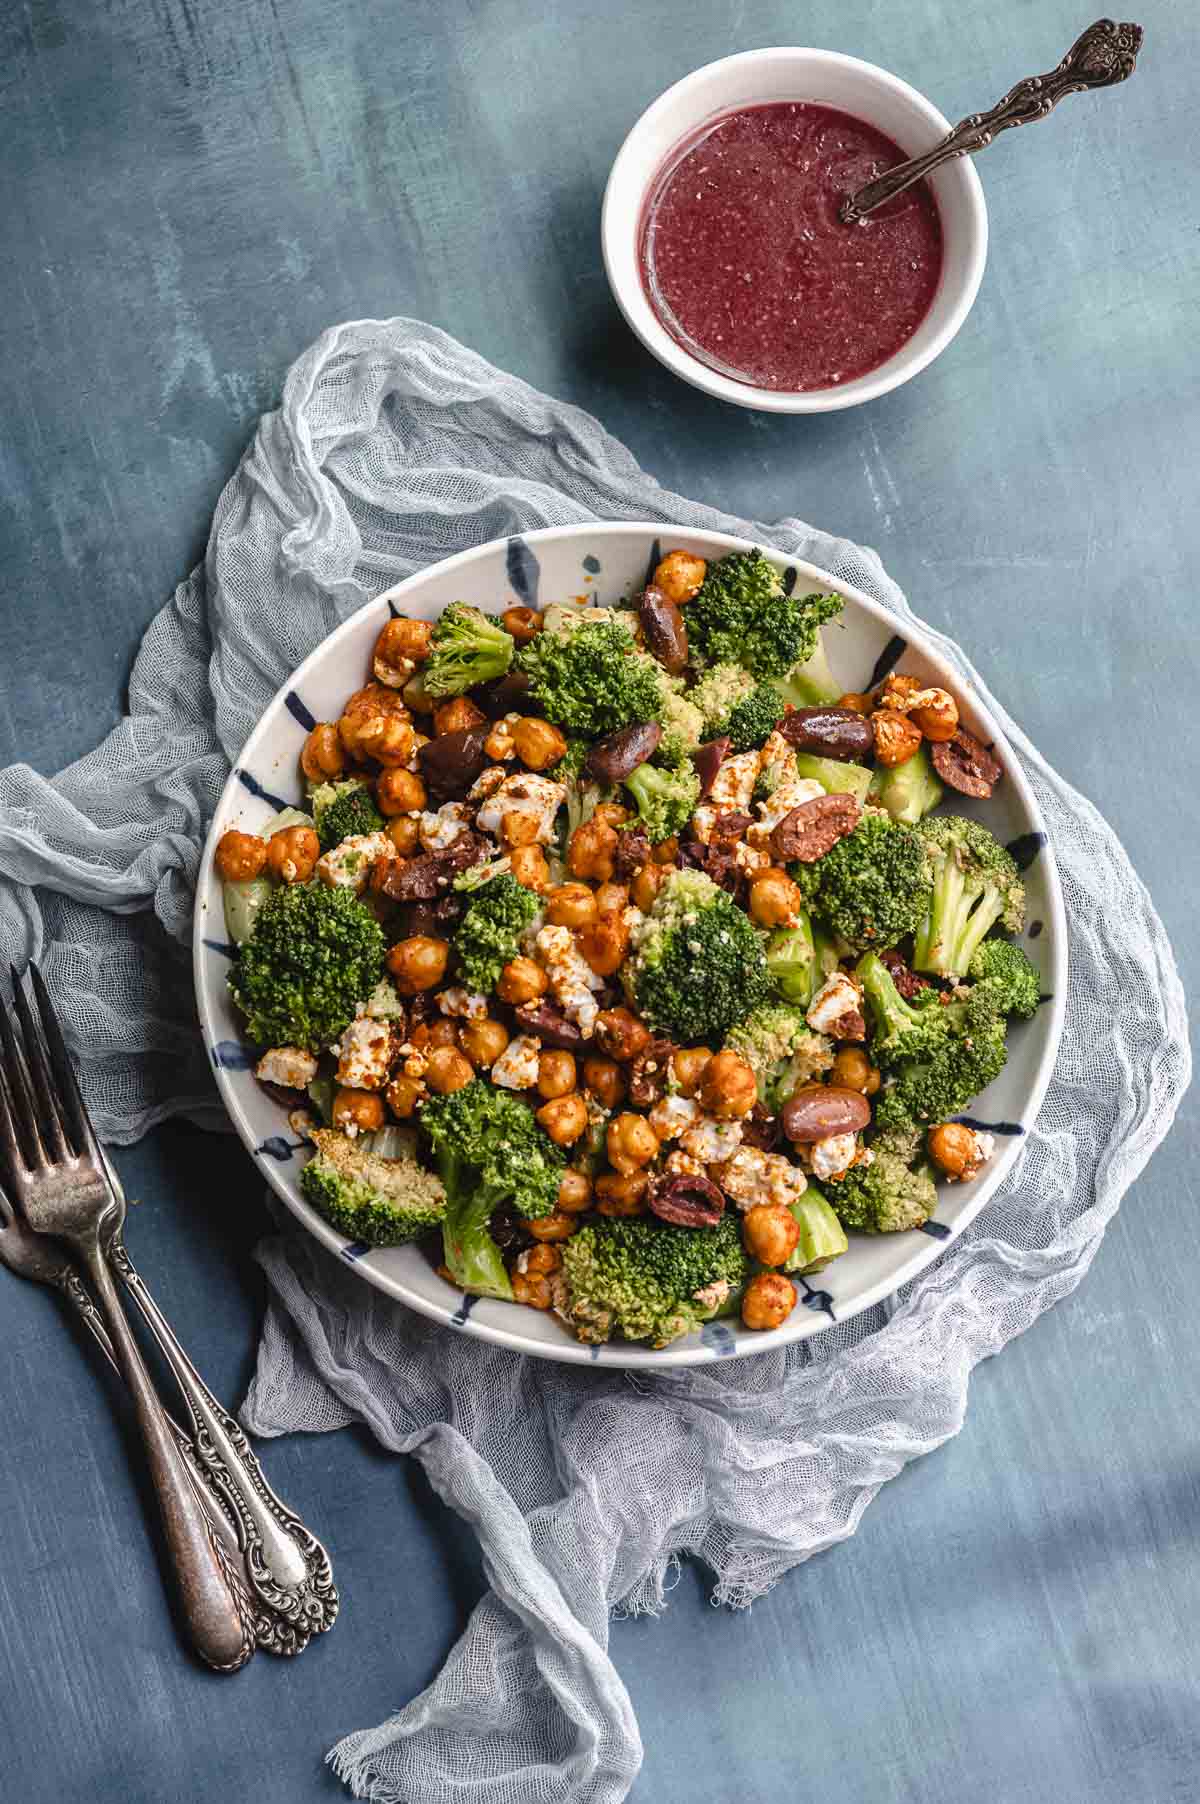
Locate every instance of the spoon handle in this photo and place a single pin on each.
(1105, 53)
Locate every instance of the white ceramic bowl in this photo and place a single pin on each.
(829, 79)
(605, 562)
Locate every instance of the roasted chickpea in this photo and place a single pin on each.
(387, 739)
(537, 743)
(499, 743)
(541, 1260)
(442, 1032)
(556, 1074)
(689, 1063)
(404, 833)
(400, 792)
(400, 647)
(417, 696)
(571, 905)
(447, 1071)
(292, 854)
(680, 576)
(631, 1143)
(323, 758)
(564, 1118)
(521, 981)
(611, 896)
(240, 856)
(555, 1226)
(727, 1086)
(483, 1042)
(604, 943)
(768, 1300)
(605, 1079)
(418, 963)
(592, 850)
(518, 828)
(856, 702)
(622, 1195)
(954, 1149)
(646, 885)
(361, 1110)
(666, 851)
(896, 738)
(366, 704)
(574, 1192)
(403, 1094)
(935, 711)
(774, 899)
(897, 691)
(531, 1289)
(528, 865)
(457, 715)
(523, 623)
(613, 814)
(620, 1034)
(770, 1233)
(853, 1070)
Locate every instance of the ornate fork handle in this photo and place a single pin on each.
(287, 1566)
(1105, 53)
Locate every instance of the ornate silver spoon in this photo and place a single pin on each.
(1105, 53)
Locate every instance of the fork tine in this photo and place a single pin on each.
(27, 1144)
(70, 1103)
(49, 1125)
(9, 1143)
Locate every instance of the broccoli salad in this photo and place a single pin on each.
(620, 958)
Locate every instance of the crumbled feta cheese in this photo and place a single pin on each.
(833, 1158)
(712, 1141)
(672, 1115)
(487, 783)
(366, 1052)
(303, 1122)
(734, 783)
(462, 1003)
(985, 1146)
(571, 977)
(753, 1176)
(517, 1066)
(790, 792)
(711, 1296)
(289, 1066)
(752, 859)
(437, 831)
(526, 794)
(837, 1008)
(682, 1165)
(349, 865)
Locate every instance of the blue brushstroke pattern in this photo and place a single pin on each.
(655, 559)
(276, 1147)
(718, 1338)
(1025, 848)
(789, 579)
(937, 1230)
(462, 1314)
(222, 947)
(817, 1299)
(298, 711)
(524, 571)
(593, 1352)
(1009, 1129)
(231, 1055)
(355, 1251)
(256, 789)
(1035, 929)
(393, 610)
(591, 565)
(887, 660)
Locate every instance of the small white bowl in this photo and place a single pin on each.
(828, 79)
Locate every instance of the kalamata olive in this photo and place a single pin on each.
(829, 732)
(613, 758)
(503, 695)
(429, 877)
(633, 851)
(762, 1130)
(662, 625)
(550, 1025)
(967, 765)
(687, 1202)
(708, 759)
(806, 833)
(816, 1111)
(433, 920)
(451, 762)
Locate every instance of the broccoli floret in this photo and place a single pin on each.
(570, 766)
(902, 1029)
(644, 1279)
(886, 1196)
(342, 811)
(976, 886)
(908, 791)
(682, 723)
(467, 647)
(1009, 978)
(590, 681)
(365, 1197)
(742, 615)
(665, 799)
(314, 955)
(699, 965)
(873, 887)
(939, 1051)
(781, 1050)
(822, 1236)
(488, 1150)
(733, 703)
(792, 962)
(489, 934)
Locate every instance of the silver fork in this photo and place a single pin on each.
(59, 1180)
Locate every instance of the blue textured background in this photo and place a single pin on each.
(193, 189)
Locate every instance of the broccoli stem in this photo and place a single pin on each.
(472, 1257)
(811, 684)
(959, 917)
(822, 1236)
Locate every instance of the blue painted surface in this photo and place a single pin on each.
(199, 191)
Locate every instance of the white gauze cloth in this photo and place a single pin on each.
(394, 446)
